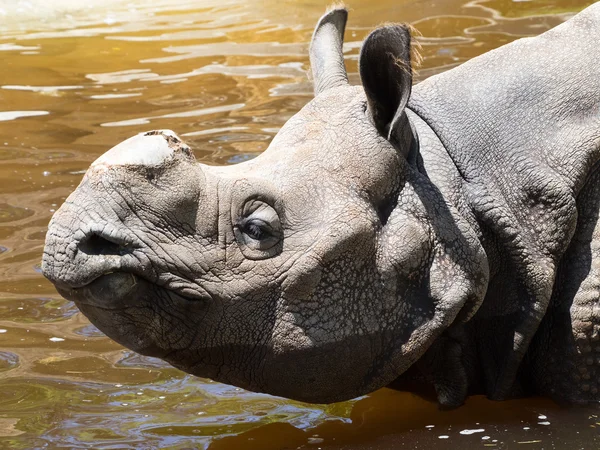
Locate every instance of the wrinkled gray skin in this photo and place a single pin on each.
(447, 237)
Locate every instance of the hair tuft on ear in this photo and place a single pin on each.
(336, 5)
(416, 57)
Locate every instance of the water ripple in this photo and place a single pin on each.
(82, 76)
(12, 115)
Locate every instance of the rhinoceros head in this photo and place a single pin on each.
(319, 271)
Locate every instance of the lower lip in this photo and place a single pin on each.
(118, 288)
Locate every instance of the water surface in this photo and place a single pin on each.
(77, 78)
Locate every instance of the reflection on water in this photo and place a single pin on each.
(77, 78)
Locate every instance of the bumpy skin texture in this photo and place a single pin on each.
(525, 142)
(455, 237)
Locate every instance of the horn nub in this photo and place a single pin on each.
(326, 56)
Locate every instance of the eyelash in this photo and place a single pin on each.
(255, 231)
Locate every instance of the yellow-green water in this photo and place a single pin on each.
(78, 77)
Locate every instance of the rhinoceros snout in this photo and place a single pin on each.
(127, 192)
(75, 260)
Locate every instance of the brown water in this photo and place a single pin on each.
(225, 75)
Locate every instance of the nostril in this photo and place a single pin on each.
(98, 245)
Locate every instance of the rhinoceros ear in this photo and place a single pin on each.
(386, 74)
(326, 56)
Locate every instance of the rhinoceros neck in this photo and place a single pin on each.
(531, 105)
(437, 164)
(521, 125)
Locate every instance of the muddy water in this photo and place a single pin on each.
(77, 78)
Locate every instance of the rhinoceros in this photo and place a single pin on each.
(444, 235)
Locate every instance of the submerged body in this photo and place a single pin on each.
(446, 235)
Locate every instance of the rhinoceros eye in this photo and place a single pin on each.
(258, 231)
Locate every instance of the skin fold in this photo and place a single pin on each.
(442, 235)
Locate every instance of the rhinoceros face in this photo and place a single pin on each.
(303, 273)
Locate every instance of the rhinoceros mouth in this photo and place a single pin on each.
(123, 306)
(122, 290)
